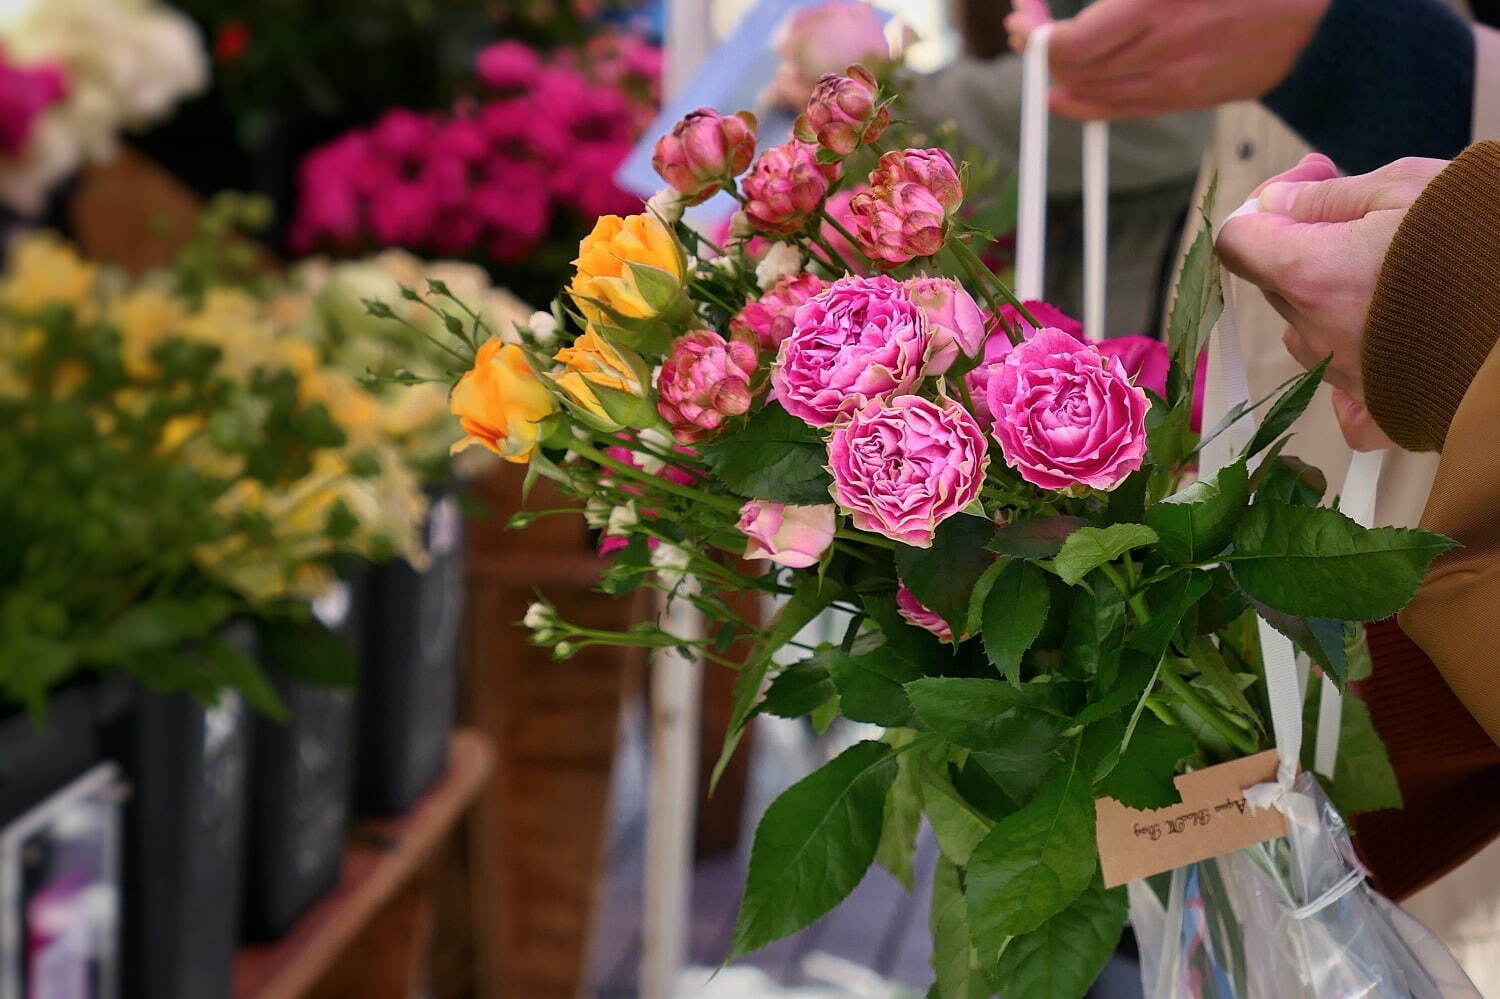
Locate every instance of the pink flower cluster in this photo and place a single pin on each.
(705, 380)
(489, 177)
(25, 92)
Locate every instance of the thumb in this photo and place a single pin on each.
(1260, 247)
(1341, 199)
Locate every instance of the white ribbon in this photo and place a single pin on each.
(1227, 387)
(1031, 215)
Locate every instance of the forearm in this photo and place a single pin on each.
(1382, 80)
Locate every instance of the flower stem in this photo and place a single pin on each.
(630, 471)
(838, 227)
(981, 273)
(1210, 714)
(869, 539)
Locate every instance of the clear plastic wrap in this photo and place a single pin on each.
(1292, 918)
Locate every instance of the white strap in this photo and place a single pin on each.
(1361, 484)
(1031, 217)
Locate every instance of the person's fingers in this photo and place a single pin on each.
(1069, 104)
(1359, 428)
(1313, 166)
(1296, 344)
(1023, 19)
(1261, 247)
(1099, 30)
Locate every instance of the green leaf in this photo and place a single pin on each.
(871, 684)
(1363, 778)
(658, 287)
(307, 649)
(1137, 671)
(1316, 562)
(957, 825)
(943, 576)
(989, 714)
(775, 457)
(1321, 638)
(798, 690)
(1290, 480)
(1195, 524)
(1039, 537)
(1195, 307)
(1014, 612)
(810, 597)
(1087, 548)
(1143, 777)
(1217, 674)
(902, 816)
(1034, 863)
(813, 846)
(1170, 601)
(1169, 435)
(954, 960)
(916, 645)
(234, 669)
(1285, 410)
(974, 621)
(1096, 632)
(1061, 958)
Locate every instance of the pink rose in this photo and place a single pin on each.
(915, 613)
(785, 187)
(954, 318)
(930, 169)
(905, 212)
(704, 150)
(997, 345)
(1067, 415)
(1144, 359)
(508, 65)
(768, 320)
(705, 380)
(860, 339)
(402, 214)
(25, 92)
(793, 536)
(904, 467)
(825, 39)
(844, 112)
(403, 133)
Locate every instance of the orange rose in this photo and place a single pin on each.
(500, 402)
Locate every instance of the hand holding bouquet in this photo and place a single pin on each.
(1043, 605)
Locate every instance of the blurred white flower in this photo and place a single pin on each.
(671, 563)
(666, 205)
(543, 327)
(780, 260)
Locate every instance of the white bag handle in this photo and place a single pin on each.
(1228, 386)
(1031, 216)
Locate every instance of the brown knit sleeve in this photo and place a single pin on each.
(1436, 310)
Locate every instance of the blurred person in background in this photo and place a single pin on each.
(1365, 83)
(1153, 164)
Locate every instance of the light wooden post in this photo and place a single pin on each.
(676, 683)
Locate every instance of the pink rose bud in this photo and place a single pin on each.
(916, 613)
(704, 151)
(1066, 415)
(824, 39)
(903, 468)
(997, 345)
(793, 536)
(785, 187)
(932, 169)
(844, 112)
(705, 380)
(896, 224)
(954, 318)
(768, 320)
(860, 339)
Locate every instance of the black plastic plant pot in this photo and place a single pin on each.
(409, 676)
(40, 756)
(301, 786)
(187, 764)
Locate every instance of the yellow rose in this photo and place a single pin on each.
(46, 270)
(500, 402)
(630, 267)
(593, 360)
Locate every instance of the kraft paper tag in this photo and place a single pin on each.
(1211, 820)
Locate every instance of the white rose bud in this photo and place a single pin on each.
(538, 616)
(596, 512)
(780, 260)
(621, 520)
(543, 326)
(671, 563)
(666, 205)
(739, 226)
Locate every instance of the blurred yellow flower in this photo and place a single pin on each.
(631, 267)
(145, 317)
(46, 270)
(593, 360)
(500, 402)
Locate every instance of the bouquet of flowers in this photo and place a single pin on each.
(1041, 601)
(167, 464)
(78, 72)
(503, 179)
